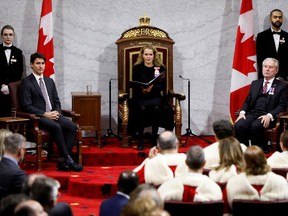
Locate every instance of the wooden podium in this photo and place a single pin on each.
(89, 107)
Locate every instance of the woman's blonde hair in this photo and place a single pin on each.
(157, 58)
(3, 134)
(230, 153)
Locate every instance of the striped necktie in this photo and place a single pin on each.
(265, 87)
(45, 95)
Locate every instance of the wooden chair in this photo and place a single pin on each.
(129, 45)
(256, 207)
(281, 171)
(39, 136)
(176, 208)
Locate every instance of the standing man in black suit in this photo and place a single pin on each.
(273, 43)
(267, 97)
(12, 177)
(39, 96)
(11, 67)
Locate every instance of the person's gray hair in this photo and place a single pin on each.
(272, 59)
(14, 143)
(44, 190)
(195, 157)
(167, 140)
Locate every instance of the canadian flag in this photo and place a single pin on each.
(244, 62)
(45, 39)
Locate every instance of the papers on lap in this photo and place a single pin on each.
(153, 81)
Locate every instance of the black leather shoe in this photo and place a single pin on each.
(75, 167)
(63, 166)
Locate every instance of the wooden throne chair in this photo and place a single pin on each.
(129, 45)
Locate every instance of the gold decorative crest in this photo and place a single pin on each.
(144, 21)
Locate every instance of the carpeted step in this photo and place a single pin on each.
(81, 206)
(112, 154)
(93, 182)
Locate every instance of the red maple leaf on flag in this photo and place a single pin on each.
(45, 39)
(244, 62)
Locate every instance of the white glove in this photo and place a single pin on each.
(5, 89)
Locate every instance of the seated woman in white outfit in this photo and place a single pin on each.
(257, 182)
(231, 160)
(222, 129)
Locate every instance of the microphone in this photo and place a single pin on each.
(184, 78)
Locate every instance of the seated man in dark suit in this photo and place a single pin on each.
(267, 97)
(11, 176)
(39, 96)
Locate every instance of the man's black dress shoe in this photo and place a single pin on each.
(62, 166)
(75, 167)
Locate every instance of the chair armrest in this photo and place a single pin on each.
(281, 114)
(178, 96)
(69, 113)
(26, 115)
(33, 124)
(72, 114)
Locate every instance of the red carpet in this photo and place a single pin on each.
(85, 190)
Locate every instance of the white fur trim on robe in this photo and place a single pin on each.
(223, 175)
(207, 190)
(239, 187)
(212, 155)
(157, 171)
(278, 160)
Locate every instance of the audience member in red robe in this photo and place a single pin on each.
(193, 186)
(164, 161)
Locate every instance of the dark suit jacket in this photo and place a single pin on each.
(61, 209)
(113, 205)
(265, 47)
(32, 100)
(12, 177)
(11, 72)
(276, 102)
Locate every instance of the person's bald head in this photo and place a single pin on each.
(29, 208)
(167, 140)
